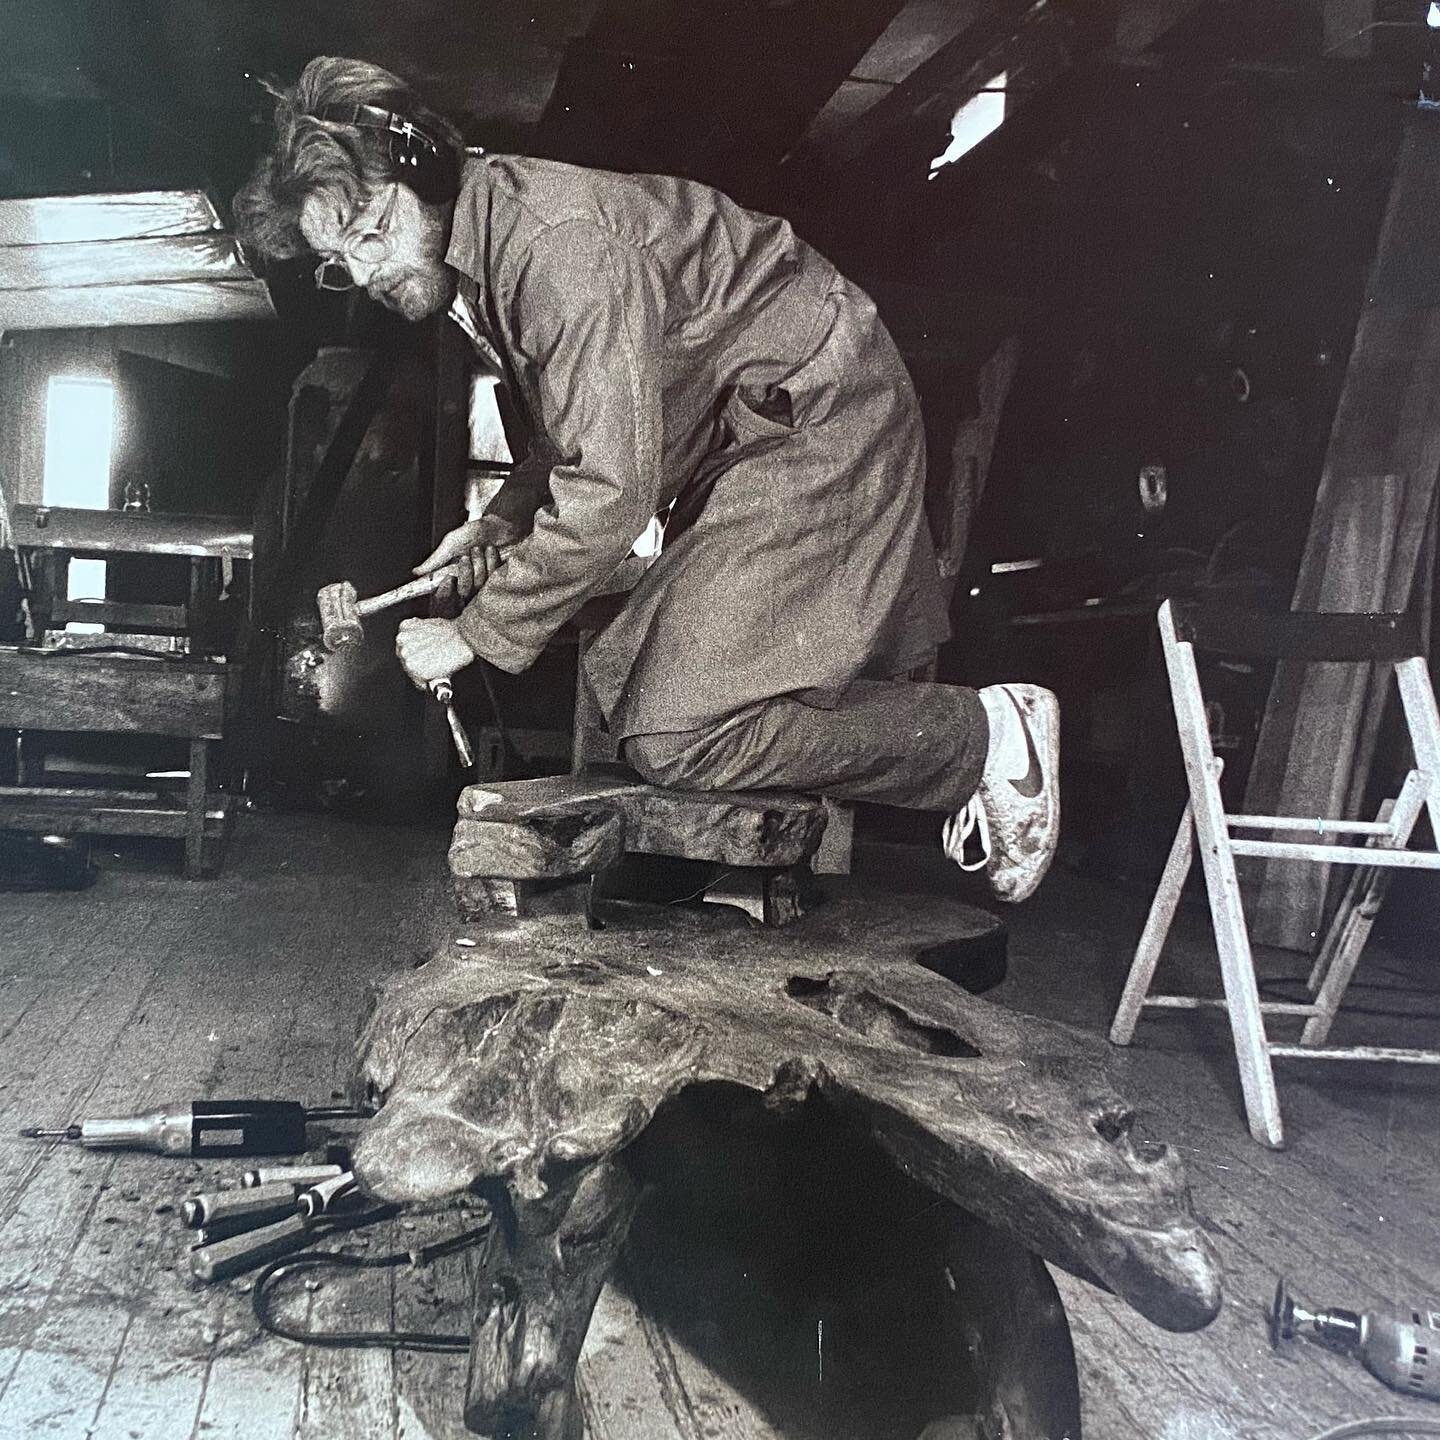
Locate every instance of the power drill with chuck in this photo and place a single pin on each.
(1402, 1350)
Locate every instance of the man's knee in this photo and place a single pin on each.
(727, 755)
(661, 759)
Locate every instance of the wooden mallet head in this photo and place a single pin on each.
(340, 626)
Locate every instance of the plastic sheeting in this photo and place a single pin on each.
(122, 262)
(131, 215)
(159, 304)
(141, 258)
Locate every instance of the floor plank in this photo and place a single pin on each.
(629, 1388)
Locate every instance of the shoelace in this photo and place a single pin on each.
(968, 821)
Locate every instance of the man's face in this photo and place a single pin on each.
(392, 246)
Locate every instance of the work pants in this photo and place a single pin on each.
(912, 744)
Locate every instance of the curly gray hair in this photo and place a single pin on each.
(310, 155)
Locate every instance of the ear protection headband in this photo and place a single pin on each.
(430, 167)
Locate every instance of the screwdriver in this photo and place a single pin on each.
(214, 1128)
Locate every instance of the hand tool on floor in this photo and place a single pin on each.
(1398, 1350)
(319, 1199)
(294, 1174)
(238, 1253)
(257, 1204)
(215, 1128)
(226, 1230)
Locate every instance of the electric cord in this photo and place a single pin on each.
(1381, 1425)
(433, 1342)
(707, 886)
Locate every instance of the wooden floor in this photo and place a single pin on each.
(147, 988)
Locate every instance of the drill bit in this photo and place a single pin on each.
(36, 1132)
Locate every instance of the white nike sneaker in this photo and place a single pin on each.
(1015, 821)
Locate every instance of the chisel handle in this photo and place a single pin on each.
(245, 1252)
(258, 1203)
(291, 1174)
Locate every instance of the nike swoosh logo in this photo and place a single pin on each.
(1029, 785)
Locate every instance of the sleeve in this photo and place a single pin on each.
(522, 492)
(586, 316)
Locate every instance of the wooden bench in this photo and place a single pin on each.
(514, 836)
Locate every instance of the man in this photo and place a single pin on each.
(675, 354)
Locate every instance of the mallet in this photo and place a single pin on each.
(341, 611)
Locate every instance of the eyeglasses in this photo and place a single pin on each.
(369, 246)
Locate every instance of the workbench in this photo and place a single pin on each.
(154, 670)
(76, 692)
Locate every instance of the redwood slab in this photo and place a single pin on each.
(526, 1061)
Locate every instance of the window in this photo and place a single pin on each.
(79, 442)
(981, 115)
(79, 436)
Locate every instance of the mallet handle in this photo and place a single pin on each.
(408, 591)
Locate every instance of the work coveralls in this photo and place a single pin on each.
(671, 351)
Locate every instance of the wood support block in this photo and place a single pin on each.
(836, 846)
(480, 895)
(566, 826)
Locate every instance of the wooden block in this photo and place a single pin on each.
(477, 896)
(565, 825)
(520, 842)
(769, 897)
(834, 855)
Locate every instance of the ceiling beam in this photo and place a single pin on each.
(897, 82)
(970, 59)
(915, 34)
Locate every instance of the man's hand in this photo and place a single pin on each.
(431, 650)
(475, 548)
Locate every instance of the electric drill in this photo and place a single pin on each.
(1402, 1351)
(213, 1128)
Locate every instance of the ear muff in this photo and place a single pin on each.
(429, 166)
